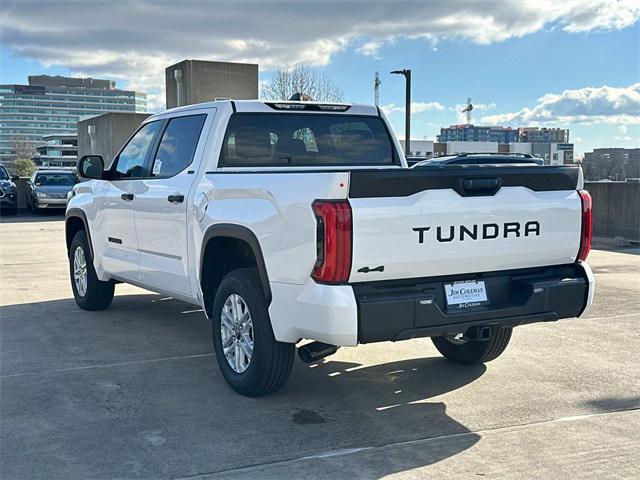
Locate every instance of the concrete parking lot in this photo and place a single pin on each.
(134, 392)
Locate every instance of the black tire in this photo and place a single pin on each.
(271, 361)
(475, 352)
(98, 294)
(34, 209)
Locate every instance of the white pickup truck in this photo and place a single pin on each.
(296, 221)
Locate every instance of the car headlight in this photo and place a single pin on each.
(41, 195)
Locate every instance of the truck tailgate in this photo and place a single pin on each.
(453, 220)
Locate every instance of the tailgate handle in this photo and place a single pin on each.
(481, 186)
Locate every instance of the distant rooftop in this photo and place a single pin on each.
(58, 81)
(471, 125)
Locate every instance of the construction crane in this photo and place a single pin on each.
(467, 110)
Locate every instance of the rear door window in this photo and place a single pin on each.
(288, 139)
(177, 146)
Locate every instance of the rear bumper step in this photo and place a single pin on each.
(399, 310)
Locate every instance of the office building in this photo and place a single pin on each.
(543, 135)
(196, 81)
(419, 148)
(59, 150)
(53, 105)
(550, 153)
(471, 147)
(476, 133)
(550, 144)
(612, 163)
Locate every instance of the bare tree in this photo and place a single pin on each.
(288, 81)
(22, 147)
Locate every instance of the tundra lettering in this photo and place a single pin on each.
(489, 231)
(290, 225)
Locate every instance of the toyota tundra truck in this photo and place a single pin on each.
(300, 223)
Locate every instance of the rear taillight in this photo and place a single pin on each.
(333, 264)
(587, 225)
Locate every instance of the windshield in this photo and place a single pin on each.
(292, 139)
(55, 179)
(3, 174)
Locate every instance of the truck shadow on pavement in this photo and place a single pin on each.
(143, 375)
(614, 404)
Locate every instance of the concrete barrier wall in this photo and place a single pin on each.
(111, 131)
(616, 209)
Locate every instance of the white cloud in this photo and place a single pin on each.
(591, 15)
(416, 107)
(370, 49)
(419, 107)
(585, 105)
(134, 40)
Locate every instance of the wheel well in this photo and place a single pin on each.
(222, 255)
(72, 226)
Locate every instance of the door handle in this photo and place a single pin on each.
(176, 198)
(127, 197)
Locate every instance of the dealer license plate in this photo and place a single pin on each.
(466, 294)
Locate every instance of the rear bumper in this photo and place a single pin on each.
(41, 202)
(400, 310)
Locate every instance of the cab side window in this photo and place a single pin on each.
(130, 162)
(177, 146)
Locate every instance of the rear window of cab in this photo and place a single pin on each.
(298, 139)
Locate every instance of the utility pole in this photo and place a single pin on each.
(376, 89)
(407, 109)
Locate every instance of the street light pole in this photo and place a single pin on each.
(407, 109)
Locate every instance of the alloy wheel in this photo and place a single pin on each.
(236, 329)
(80, 271)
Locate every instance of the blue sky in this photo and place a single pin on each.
(572, 64)
(505, 77)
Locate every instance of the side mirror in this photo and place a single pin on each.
(91, 166)
(15, 177)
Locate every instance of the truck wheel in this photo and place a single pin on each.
(474, 352)
(251, 360)
(89, 292)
